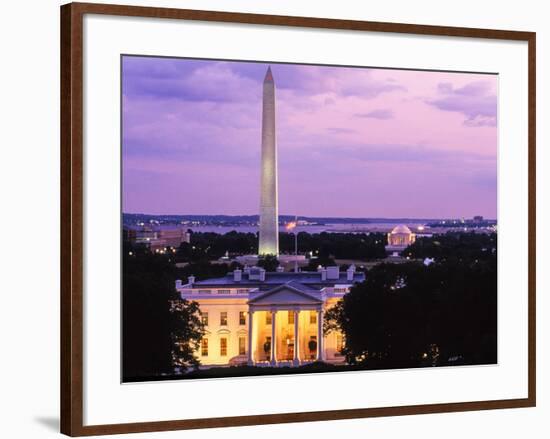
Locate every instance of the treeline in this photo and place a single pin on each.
(209, 246)
(205, 246)
(360, 246)
(454, 246)
(205, 270)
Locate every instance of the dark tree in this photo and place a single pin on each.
(455, 247)
(409, 315)
(323, 260)
(207, 246)
(268, 262)
(360, 246)
(150, 324)
(205, 270)
(187, 331)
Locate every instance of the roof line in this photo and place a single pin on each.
(285, 285)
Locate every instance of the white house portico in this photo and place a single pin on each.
(287, 306)
(269, 318)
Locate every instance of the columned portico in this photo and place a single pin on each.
(282, 325)
(250, 351)
(273, 356)
(296, 357)
(320, 349)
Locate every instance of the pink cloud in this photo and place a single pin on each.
(365, 142)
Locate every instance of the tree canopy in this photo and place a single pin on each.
(268, 262)
(409, 315)
(159, 330)
(454, 246)
(205, 246)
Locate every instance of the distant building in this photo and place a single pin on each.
(478, 218)
(269, 318)
(155, 238)
(171, 238)
(399, 239)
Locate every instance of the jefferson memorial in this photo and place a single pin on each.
(399, 239)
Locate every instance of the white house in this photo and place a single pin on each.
(269, 318)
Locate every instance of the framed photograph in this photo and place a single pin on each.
(270, 219)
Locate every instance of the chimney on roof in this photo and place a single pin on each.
(262, 275)
(333, 272)
(237, 275)
(191, 280)
(350, 272)
(323, 273)
(178, 283)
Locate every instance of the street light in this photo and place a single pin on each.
(291, 226)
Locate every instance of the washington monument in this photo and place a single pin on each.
(269, 206)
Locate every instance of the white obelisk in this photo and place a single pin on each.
(269, 213)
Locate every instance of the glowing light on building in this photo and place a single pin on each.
(290, 226)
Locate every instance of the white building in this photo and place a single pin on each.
(399, 239)
(247, 310)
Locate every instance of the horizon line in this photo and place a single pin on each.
(310, 216)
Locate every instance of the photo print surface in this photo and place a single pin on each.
(289, 218)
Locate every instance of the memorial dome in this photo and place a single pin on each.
(401, 228)
(401, 236)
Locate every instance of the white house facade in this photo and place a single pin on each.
(269, 318)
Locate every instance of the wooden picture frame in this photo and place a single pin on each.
(72, 262)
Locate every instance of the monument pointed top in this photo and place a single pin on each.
(268, 75)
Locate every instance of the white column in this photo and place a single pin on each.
(250, 335)
(296, 359)
(320, 348)
(273, 339)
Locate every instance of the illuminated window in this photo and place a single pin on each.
(204, 318)
(291, 317)
(224, 291)
(242, 346)
(223, 318)
(223, 347)
(204, 347)
(242, 318)
(268, 318)
(313, 317)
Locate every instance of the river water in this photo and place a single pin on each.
(334, 228)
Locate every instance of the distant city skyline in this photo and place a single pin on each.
(352, 142)
(285, 217)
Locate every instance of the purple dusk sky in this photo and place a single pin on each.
(352, 142)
